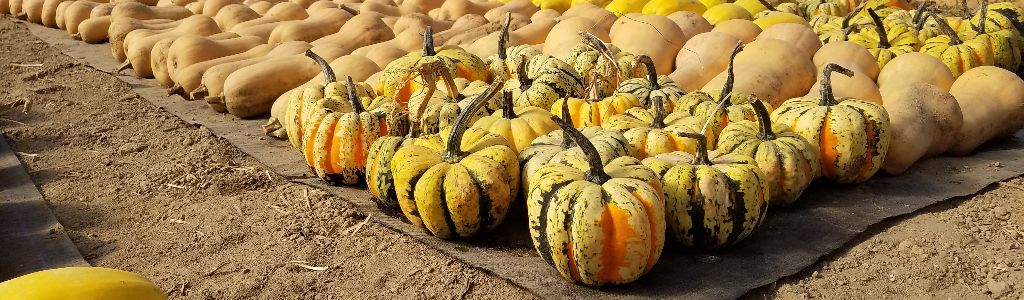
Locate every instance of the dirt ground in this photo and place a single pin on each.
(139, 189)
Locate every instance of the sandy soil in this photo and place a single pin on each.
(139, 189)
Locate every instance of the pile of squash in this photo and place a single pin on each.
(617, 124)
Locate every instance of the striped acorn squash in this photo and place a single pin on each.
(601, 65)
(458, 183)
(908, 18)
(442, 109)
(999, 16)
(787, 160)
(715, 115)
(553, 146)
(542, 80)
(886, 42)
(646, 88)
(398, 79)
(710, 203)
(596, 110)
(596, 223)
(825, 7)
(851, 135)
(650, 132)
(509, 60)
(1005, 42)
(958, 54)
(332, 95)
(518, 125)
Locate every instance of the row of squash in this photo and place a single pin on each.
(612, 158)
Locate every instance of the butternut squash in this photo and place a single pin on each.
(530, 34)
(690, 23)
(251, 91)
(304, 3)
(453, 9)
(138, 51)
(212, 7)
(653, 35)
(745, 30)
(405, 42)
(545, 14)
(759, 74)
(380, 8)
(798, 35)
(75, 13)
(858, 86)
(992, 102)
(925, 120)
(320, 24)
(850, 55)
(262, 7)
(139, 11)
(284, 11)
(598, 14)
(61, 8)
(419, 6)
(212, 81)
(915, 67)
(162, 49)
(15, 7)
(234, 14)
(566, 34)
(701, 59)
(195, 7)
(119, 30)
(469, 36)
(322, 4)
(521, 8)
(460, 26)
(418, 22)
(192, 49)
(101, 10)
(94, 30)
(187, 79)
(33, 10)
(361, 30)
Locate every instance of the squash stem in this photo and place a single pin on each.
(730, 75)
(428, 42)
(827, 98)
(595, 173)
(652, 73)
(567, 118)
(524, 78)
(659, 112)
(428, 75)
(453, 148)
(325, 67)
(357, 105)
(983, 17)
(954, 39)
(920, 22)
(883, 37)
(503, 37)
(701, 155)
(595, 43)
(849, 16)
(764, 120)
(508, 109)
(768, 5)
(449, 83)
(920, 11)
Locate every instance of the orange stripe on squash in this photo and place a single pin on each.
(574, 270)
(358, 156)
(868, 155)
(827, 143)
(334, 163)
(618, 235)
(650, 221)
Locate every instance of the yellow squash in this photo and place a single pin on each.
(80, 283)
(518, 125)
(398, 80)
(958, 54)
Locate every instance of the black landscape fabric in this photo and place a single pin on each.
(823, 220)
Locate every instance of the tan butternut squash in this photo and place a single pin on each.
(469, 36)
(530, 34)
(701, 59)
(192, 49)
(592, 12)
(380, 8)
(15, 7)
(304, 3)
(850, 55)
(745, 30)
(453, 9)
(915, 67)
(361, 30)
(798, 35)
(234, 14)
(690, 23)
(94, 30)
(545, 14)
(284, 11)
(59, 18)
(251, 91)
(418, 22)
(187, 79)
(262, 7)
(212, 82)
(653, 35)
(924, 121)
(460, 26)
(320, 24)
(419, 6)
(195, 7)
(523, 9)
(75, 13)
(858, 86)
(33, 10)
(992, 102)
(139, 51)
(182, 2)
(212, 7)
(759, 72)
(119, 30)
(407, 41)
(566, 34)
(102, 10)
(139, 11)
(322, 4)
(158, 57)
